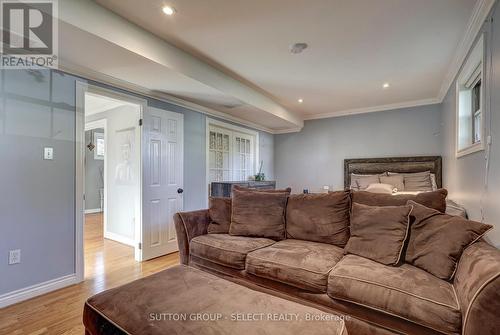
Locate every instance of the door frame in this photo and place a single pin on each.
(80, 89)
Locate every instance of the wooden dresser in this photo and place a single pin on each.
(223, 188)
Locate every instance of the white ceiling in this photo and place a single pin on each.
(354, 47)
(106, 61)
(95, 104)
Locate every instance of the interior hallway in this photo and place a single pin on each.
(107, 264)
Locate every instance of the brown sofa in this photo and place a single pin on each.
(377, 299)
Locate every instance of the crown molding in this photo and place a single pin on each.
(287, 130)
(479, 15)
(406, 104)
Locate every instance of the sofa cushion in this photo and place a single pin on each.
(219, 211)
(405, 291)
(303, 264)
(379, 233)
(435, 199)
(319, 217)
(437, 240)
(258, 214)
(225, 249)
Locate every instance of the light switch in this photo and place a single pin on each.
(48, 153)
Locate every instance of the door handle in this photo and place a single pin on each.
(180, 190)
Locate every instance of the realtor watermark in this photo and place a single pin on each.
(29, 37)
(247, 317)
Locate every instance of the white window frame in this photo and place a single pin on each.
(468, 76)
(231, 128)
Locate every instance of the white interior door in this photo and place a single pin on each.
(162, 190)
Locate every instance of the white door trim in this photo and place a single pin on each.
(231, 127)
(102, 123)
(81, 89)
(32, 291)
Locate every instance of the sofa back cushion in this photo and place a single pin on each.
(322, 217)
(437, 240)
(435, 199)
(219, 211)
(379, 233)
(258, 214)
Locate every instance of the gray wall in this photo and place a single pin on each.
(195, 196)
(93, 174)
(37, 211)
(464, 176)
(314, 157)
(37, 109)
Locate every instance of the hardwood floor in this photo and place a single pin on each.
(107, 264)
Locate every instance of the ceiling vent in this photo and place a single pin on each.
(298, 47)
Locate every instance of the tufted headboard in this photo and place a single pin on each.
(393, 164)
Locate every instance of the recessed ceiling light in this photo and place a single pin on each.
(298, 47)
(300, 101)
(168, 10)
(386, 85)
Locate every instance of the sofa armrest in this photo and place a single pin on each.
(187, 226)
(477, 284)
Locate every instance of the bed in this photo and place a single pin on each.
(414, 164)
(367, 166)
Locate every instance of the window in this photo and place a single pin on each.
(232, 152)
(476, 112)
(470, 103)
(99, 146)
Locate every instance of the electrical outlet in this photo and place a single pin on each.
(14, 256)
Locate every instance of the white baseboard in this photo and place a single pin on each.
(119, 238)
(92, 211)
(29, 292)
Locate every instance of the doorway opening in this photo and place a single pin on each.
(142, 180)
(112, 180)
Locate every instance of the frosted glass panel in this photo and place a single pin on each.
(212, 140)
(230, 155)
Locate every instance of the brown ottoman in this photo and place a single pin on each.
(184, 300)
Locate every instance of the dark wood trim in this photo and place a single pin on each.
(393, 164)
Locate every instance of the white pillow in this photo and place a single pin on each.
(381, 188)
(433, 182)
